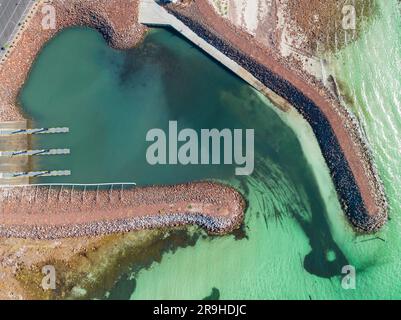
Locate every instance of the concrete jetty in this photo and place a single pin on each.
(43, 152)
(33, 174)
(25, 131)
(154, 15)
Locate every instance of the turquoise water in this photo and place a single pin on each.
(369, 71)
(297, 239)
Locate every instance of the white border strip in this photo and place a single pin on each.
(68, 184)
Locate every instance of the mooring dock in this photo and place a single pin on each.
(34, 174)
(15, 153)
(154, 15)
(25, 131)
(16, 142)
(43, 152)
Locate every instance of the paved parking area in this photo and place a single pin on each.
(11, 13)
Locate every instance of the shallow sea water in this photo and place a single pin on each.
(369, 74)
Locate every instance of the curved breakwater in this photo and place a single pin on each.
(349, 193)
(52, 213)
(213, 225)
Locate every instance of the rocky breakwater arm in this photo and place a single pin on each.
(38, 212)
(347, 155)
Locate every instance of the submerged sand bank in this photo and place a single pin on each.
(86, 268)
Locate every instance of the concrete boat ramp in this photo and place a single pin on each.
(152, 14)
(15, 153)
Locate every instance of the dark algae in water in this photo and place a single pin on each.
(215, 295)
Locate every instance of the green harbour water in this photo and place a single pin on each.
(297, 238)
(369, 74)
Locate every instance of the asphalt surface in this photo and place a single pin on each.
(11, 13)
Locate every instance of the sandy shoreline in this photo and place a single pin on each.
(346, 153)
(40, 213)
